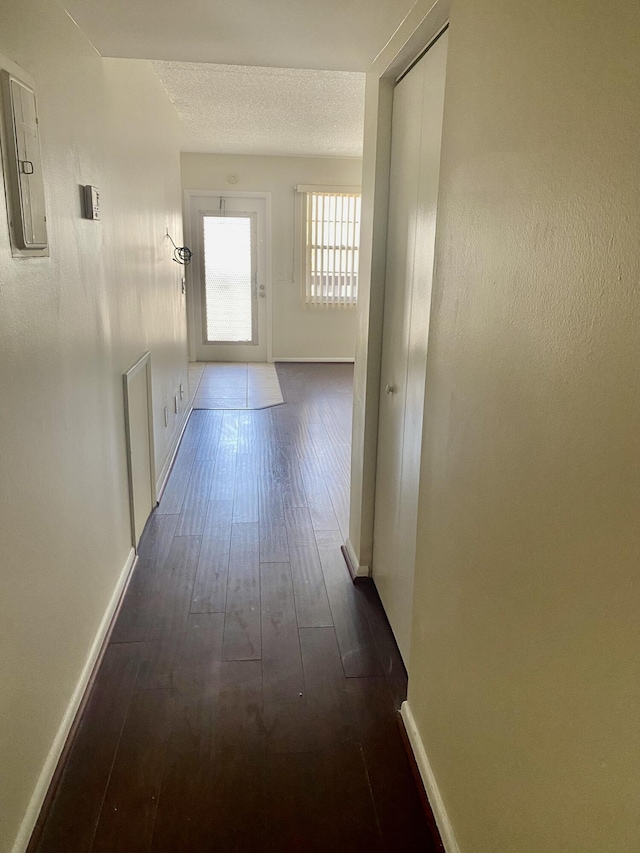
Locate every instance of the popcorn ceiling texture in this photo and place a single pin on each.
(240, 109)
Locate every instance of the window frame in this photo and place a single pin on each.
(305, 192)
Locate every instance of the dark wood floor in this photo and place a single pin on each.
(247, 699)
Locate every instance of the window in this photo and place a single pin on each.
(230, 275)
(331, 237)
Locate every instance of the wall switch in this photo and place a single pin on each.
(166, 416)
(175, 403)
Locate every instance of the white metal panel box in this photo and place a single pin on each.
(25, 190)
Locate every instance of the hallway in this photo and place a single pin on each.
(247, 699)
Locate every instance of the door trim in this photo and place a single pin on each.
(192, 295)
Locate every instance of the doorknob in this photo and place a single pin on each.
(390, 389)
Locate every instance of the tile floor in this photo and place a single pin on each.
(234, 385)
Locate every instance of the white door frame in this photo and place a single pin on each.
(423, 23)
(192, 286)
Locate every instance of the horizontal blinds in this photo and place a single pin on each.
(332, 241)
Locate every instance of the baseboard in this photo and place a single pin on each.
(166, 468)
(278, 358)
(356, 570)
(431, 786)
(49, 775)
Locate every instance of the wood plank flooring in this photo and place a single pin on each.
(248, 697)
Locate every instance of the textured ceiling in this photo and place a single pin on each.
(330, 34)
(237, 109)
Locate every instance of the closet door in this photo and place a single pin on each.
(415, 165)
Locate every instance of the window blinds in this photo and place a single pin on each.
(332, 237)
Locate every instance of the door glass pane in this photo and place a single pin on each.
(228, 279)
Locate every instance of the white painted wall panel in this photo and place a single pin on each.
(70, 324)
(525, 679)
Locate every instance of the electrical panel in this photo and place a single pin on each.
(21, 146)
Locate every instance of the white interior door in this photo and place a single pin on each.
(415, 166)
(228, 281)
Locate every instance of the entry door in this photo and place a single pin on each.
(415, 166)
(228, 282)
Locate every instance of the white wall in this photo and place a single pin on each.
(70, 325)
(298, 331)
(523, 681)
(524, 678)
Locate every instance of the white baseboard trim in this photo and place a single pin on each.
(429, 781)
(46, 775)
(277, 358)
(166, 468)
(359, 571)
